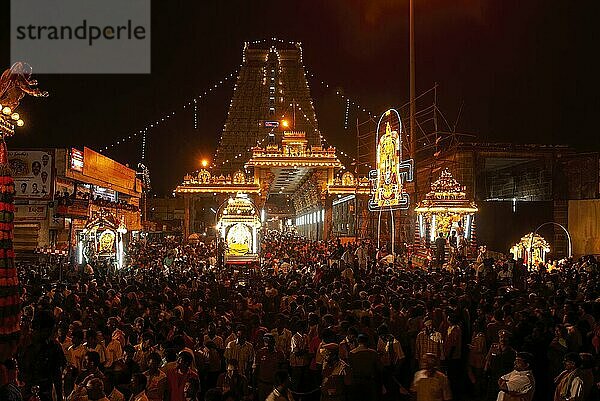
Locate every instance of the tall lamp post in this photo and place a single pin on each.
(412, 108)
(413, 136)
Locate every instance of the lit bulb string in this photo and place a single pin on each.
(195, 114)
(261, 41)
(168, 116)
(258, 143)
(342, 96)
(346, 113)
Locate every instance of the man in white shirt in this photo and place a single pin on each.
(240, 350)
(361, 256)
(283, 336)
(518, 385)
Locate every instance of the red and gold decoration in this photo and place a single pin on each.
(15, 83)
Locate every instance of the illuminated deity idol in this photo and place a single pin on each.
(388, 161)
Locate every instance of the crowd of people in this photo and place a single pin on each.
(66, 199)
(316, 320)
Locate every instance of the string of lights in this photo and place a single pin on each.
(144, 146)
(346, 114)
(194, 103)
(195, 114)
(168, 116)
(353, 103)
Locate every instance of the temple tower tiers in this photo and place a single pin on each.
(271, 87)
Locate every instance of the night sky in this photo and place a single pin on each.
(522, 70)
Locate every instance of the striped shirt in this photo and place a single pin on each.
(429, 343)
(243, 353)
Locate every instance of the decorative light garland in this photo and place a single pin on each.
(343, 97)
(346, 114)
(194, 102)
(143, 146)
(168, 116)
(195, 114)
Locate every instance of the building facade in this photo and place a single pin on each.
(58, 191)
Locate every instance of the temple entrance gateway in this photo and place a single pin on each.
(272, 151)
(288, 183)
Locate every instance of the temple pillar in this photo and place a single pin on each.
(328, 223)
(192, 215)
(186, 216)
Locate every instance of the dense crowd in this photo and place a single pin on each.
(315, 321)
(67, 199)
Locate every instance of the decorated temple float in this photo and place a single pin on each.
(444, 210)
(532, 248)
(102, 240)
(238, 222)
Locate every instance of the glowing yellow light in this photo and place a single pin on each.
(6, 110)
(15, 116)
(285, 123)
(204, 163)
(20, 123)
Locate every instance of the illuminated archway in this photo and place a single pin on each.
(570, 245)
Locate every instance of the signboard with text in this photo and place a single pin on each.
(76, 160)
(30, 212)
(115, 175)
(73, 208)
(33, 173)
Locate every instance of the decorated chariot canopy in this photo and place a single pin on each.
(532, 248)
(102, 238)
(238, 222)
(446, 209)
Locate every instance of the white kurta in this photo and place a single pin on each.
(520, 382)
